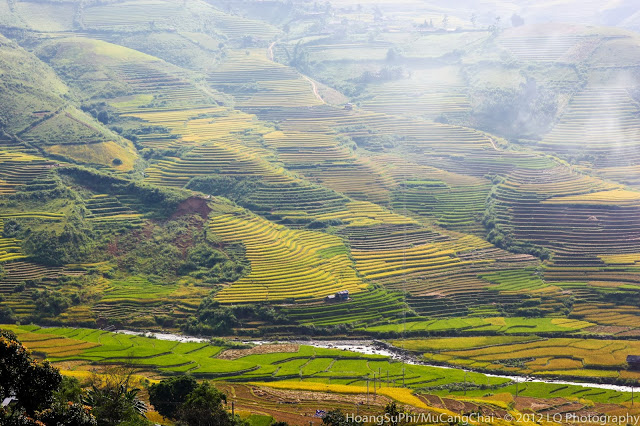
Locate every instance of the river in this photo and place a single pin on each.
(373, 347)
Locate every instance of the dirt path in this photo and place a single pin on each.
(315, 88)
(270, 51)
(313, 83)
(493, 144)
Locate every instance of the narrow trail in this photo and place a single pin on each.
(315, 89)
(313, 83)
(270, 51)
(493, 144)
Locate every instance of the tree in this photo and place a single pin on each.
(494, 28)
(203, 407)
(445, 21)
(103, 117)
(6, 313)
(391, 410)
(474, 19)
(50, 303)
(32, 383)
(213, 319)
(394, 54)
(337, 418)
(517, 20)
(37, 390)
(114, 399)
(168, 396)
(70, 390)
(67, 414)
(53, 249)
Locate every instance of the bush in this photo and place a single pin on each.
(50, 248)
(50, 303)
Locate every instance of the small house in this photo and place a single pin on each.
(343, 295)
(634, 362)
(340, 296)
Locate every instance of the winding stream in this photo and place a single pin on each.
(372, 347)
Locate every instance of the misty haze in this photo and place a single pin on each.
(298, 212)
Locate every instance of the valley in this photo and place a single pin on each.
(227, 170)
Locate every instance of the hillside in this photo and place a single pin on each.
(219, 169)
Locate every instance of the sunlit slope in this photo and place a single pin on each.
(18, 169)
(43, 16)
(173, 15)
(229, 143)
(257, 82)
(600, 126)
(31, 91)
(549, 43)
(440, 272)
(567, 211)
(421, 168)
(99, 70)
(130, 16)
(285, 264)
(38, 111)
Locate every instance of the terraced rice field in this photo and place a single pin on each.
(305, 363)
(301, 149)
(417, 269)
(373, 305)
(623, 317)
(507, 325)
(107, 212)
(460, 208)
(285, 263)
(427, 93)
(594, 118)
(596, 217)
(213, 158)
(556, 357)
(9, 247)
(153, 78)
(18, 169)
(544, 48)
(192, 126)
(19, 270)
(296, 201)
(275, 85)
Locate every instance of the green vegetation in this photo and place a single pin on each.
(220, 168)
(46, 401)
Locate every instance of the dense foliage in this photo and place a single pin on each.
(178, 247)
(190, 404)
(214, 319)
(159, 201)
(33, 386)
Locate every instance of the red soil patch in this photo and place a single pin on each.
(192, 205)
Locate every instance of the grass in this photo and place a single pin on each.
(103, 153)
